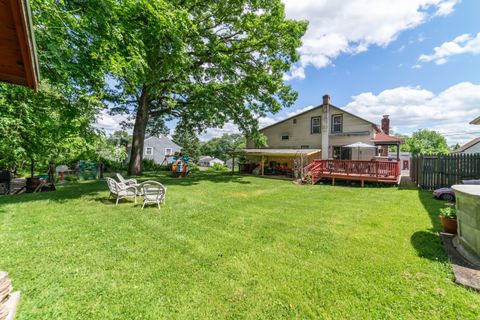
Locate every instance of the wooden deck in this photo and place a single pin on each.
(358, 170)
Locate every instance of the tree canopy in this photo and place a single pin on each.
(204, 63)
(188, 140)
(426, 142)
(221, 147)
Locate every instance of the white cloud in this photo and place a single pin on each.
(462, 44)
(351, 26)
(109, 123)
(210, 133)
(416, 66)
(413, 108)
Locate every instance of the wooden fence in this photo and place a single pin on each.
(432, 172)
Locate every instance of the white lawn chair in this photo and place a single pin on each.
(121, 191)
(127, 182)
(153, 192)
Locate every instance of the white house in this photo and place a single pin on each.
(207, 161)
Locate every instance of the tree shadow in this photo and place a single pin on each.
(77, 190)
(428, 243)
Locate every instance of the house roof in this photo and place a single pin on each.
(277, 152)
(467, 145)
(19, 64)
(475, 121)
(315, 108)
(381, 137)
(208, 158)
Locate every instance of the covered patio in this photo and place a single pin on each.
(275, 163)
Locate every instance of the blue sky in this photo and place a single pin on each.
(417, 60)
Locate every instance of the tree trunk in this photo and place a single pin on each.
(136, 155)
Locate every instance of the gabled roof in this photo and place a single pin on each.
(381, 137)
(315, 108)
(475, 121)
(467, 145)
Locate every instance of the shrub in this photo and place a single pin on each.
(192, 167)
(218, 167)
(448, 212)
(71, 178)
(150, 165)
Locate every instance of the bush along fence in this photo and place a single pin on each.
(435, 171)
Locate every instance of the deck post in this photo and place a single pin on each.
(333, 181)
(362, 183)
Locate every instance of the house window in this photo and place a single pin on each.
(337, 123)
(315, 125)
(168, 151)
(285, 136)
(294, 121)
(304, 146)
(149, 151)
(342, 153)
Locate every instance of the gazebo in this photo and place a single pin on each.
(384, 141)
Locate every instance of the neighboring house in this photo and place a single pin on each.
(472, 146)
(157, 148)
(207, 161)
(229, 163)
(326, 129)
(404, 159)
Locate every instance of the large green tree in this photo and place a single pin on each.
(203, 62)
(44, 126)
(222, 147)
(187, 139)
(426, 142)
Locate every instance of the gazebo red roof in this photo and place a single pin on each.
(381, 137)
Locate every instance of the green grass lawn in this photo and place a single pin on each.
(230, 247)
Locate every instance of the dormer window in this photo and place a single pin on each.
(316, 123)
(337, 123)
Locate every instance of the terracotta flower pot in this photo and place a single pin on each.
(449, 225)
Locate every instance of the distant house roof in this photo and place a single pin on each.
(19, 64)
(315, 108)
(381, 137)
(164, 138)
(467, 145)
(277, 152)
(475, 121)
(208, 158)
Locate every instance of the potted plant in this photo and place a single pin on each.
(448, 216)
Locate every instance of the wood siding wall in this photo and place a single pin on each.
(299, 132)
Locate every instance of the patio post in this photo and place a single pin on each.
(398, 152)
(262, 165)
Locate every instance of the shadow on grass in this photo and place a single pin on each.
(429, 245)
(94, 188)
(428, 242)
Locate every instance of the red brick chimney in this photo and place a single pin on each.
(326, 99)
(386, 124)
